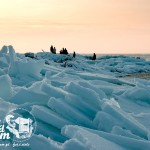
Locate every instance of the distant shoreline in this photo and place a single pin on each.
(138, 75)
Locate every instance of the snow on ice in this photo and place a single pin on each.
(78, 103)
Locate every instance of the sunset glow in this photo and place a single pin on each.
(86, 26)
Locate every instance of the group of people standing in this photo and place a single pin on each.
(64, 51)
(53, 49)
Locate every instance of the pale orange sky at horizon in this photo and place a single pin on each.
(87, 26)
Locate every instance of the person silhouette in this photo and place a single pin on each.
(65, 51)
(51, 48)
(74, 54)
(94, 57)
(54, 50)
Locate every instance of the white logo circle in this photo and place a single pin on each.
(21, 124)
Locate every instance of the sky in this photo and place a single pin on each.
(84, 26)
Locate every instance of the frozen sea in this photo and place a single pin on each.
(73, 103)
(145, 56)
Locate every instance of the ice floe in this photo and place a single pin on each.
(78, 103)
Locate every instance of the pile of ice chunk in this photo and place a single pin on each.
(82, 107)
